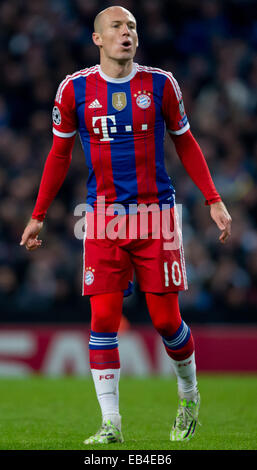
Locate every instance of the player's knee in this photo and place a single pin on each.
(165, 327)
(106, 312)
(164, 312)
(104, 322)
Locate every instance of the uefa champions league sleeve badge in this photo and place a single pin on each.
(56, 114)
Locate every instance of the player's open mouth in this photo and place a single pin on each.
(126, 44)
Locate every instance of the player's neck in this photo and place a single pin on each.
(115, 69)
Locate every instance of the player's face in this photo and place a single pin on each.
(118, 37)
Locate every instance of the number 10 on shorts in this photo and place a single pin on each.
(175, 273)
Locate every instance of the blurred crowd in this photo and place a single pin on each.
(210, 47)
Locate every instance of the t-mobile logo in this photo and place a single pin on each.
(106, 137)
(107, 376)
(113, 129)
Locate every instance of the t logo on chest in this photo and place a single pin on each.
(113, 129)
(104, 119)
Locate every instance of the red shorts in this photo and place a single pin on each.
(117, 246)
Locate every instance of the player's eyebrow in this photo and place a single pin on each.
(129, 22)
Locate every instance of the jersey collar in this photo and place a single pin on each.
(118, 80)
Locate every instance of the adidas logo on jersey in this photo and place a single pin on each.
(95, 104)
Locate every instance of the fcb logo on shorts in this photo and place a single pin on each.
(89, 276)
(119, 100)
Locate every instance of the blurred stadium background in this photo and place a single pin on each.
(210, 47)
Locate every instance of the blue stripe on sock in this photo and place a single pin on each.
(179, 339)
(103, 340)
(107, 362)
(103, 335)
(105, 346)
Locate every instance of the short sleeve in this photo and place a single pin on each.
(173, 107)
(64, 110)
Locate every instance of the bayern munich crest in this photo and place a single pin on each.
(89, 276)
(143, 99)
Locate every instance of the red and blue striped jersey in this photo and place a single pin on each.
(122, 123)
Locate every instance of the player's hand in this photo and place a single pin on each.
(30, 235)
(222, 218)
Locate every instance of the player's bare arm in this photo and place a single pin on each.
(30, 235)
(221, 216)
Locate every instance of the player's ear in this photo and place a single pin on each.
(97, 39)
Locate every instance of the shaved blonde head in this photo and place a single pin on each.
(99, 19)
(116, 37)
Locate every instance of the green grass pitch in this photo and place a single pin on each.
(59, 413)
